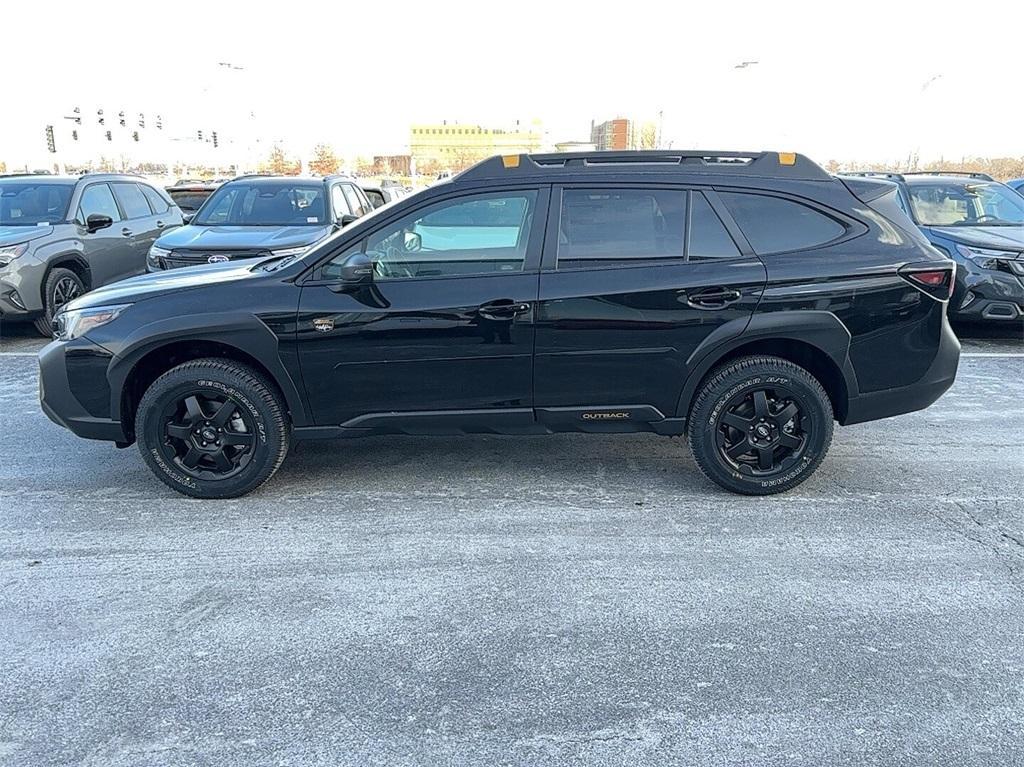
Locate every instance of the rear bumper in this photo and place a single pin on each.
(62, 406)
(917, 396)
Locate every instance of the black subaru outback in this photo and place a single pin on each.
(744, 300)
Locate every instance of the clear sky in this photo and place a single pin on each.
(845, 80)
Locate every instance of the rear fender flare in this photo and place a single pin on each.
(819, 329)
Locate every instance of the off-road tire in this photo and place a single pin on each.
(256, 399)
(737, 382)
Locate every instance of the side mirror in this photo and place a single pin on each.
(413, 242)
(347, 219)
(186, 218)
(357, 269)
(97, 221)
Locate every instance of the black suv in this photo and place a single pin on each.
(745, 300)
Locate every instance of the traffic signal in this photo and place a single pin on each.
(135, 135)
(214, 137)
(159, 123)
(74, 135)
(99, 113)
(142, 120)
(199, 133)
(108, 136)
(50, 144)
(120, 117)
(78, 116)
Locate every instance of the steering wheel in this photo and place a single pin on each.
(395, 263)
(986, 216)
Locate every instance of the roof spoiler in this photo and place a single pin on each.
(788, 165)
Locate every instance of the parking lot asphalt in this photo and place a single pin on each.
(538, 601)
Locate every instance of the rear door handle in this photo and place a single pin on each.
(712, 298)
(159, 224)
(126, 232)
(503, 309)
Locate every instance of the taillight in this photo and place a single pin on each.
(937, 283)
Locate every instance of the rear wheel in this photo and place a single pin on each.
(212, 428)
(760, 425)
(62, 285)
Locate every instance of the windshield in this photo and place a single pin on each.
(264, 203)
(968, 204)
(30, 203)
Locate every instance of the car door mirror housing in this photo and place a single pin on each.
(186, 218)
(97, 221)
(357, 269)
(347, 219)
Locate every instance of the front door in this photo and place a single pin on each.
(446, 324)
(104, 249)
(634, 279)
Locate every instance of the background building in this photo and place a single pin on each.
(623, 133)
(454, 146)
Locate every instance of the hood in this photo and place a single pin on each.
(196, 237)
(995, 237)
(12, 235)
(160, 283)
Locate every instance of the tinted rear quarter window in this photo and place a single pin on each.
(708, 235)
(774, 224)
(156, 202)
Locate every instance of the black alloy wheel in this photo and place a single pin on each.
(760, 425)
(61, 286)
(207, 435)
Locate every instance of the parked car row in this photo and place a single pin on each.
(977, 222)
(744, 301)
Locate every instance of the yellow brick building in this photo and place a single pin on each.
(453, 146)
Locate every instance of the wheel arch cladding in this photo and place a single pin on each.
(816, 341)
(150, 363)
(72, 262)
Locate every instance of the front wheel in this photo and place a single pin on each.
(212, 428)
(760, 425)
(62, 286)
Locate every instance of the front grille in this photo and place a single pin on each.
(179, 258)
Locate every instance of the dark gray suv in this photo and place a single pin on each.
(61, 237)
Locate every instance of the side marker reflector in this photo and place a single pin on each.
(510, 160)
(787, 158)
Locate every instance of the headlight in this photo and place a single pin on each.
(10, 252)
(290, 251)
(155, 254)
(986, 258)
(78, 322)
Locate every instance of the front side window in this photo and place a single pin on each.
(967, 204)
(477, 234)
(97, 200)
(619, 227)
(132, 200)
(263, 203)
(774, 225)
(338, 201)
(30, 203)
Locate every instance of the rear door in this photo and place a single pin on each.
(634, 279)
(138, 227)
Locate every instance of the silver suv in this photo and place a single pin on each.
(61, 237)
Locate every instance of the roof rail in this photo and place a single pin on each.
(873, 174)
(969, 174)
(767, 164)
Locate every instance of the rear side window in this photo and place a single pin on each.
(708, 235)
(376, 198)
(156, 202)
(132, 201)
(774, 225)
(354, 203)
(619, 227)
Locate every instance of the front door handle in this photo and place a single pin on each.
(503, 309)
(712, 298)
(159, 224)
(126, 232)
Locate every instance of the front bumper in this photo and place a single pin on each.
(987, 295)
(917, 396)
(79, 403)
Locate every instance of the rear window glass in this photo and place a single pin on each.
(189, 201)
(708, 235)
(617, 227)
(773, 224)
